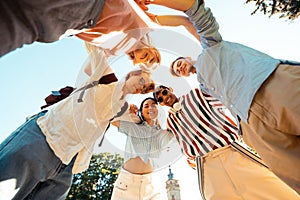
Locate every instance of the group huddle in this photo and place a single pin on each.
(260, 92)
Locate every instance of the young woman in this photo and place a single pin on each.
(145, 140)
(134, 39)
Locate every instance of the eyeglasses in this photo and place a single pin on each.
(164, 93)
(146, 87)
(142, 81)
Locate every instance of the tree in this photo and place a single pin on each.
(287, 8)
(97, 181)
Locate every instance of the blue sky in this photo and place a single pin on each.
(29, 74)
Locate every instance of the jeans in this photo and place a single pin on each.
(29, 169)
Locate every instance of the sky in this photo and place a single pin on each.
(30, 73)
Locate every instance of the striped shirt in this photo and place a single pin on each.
(200, 124)
(146, 141)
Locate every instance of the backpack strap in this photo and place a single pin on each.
(121, 112)
(107, 79)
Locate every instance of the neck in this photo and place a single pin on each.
(151, 122)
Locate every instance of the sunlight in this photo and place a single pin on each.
(8, 189)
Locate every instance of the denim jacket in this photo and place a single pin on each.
(228, 71)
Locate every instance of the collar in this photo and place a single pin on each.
(177, 107)
(156, 126)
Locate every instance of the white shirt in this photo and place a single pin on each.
(72, 128)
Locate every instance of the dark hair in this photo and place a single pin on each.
(172, 69)
(155, 93)
(141, 107)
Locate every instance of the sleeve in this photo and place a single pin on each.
(205, 23)
(166, 137)
(98, 64)
(131, 129)
(125, 127)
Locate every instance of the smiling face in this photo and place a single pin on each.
(147, 56)
(149, 110)
(165, 96)
(139, 82)
(182, 67)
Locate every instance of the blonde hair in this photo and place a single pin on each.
(145, 43)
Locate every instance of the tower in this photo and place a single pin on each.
(172, 186)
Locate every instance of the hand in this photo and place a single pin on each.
(143, 4)
(133, 109)
(151, 16)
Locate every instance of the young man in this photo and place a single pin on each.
(262, 91)
(183, 66)
(207, 134)
(41, 155)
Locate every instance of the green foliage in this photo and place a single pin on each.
(97, 181)
(286, 8)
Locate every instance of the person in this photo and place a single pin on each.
(208, 135)
(261, 91)
(182, 67)
(93, 21)
(144, 55)
(42, 154)
(145, 141)
(135, 40)
(20, 25)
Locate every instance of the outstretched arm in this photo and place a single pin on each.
(169, 20)
(129, 115)
(177, 20)
(181, 5)
(201, 17)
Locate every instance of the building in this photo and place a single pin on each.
(172, 186)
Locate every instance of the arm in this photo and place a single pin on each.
(169, 20)
(96, 65)
(205, 23)
(130, 115)
(181, 5)
(166, 137)
(177, 20)
(201, 17)
(115, 123)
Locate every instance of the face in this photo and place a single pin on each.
(139, 83)
(149, 110)
(165, 97)
(148, 56)
(183, 67)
